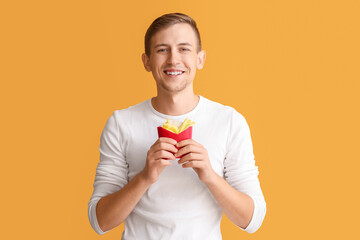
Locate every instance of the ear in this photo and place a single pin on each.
(201, 56)
(146, 62)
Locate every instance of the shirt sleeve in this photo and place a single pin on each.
(240, 169)
(112, 169)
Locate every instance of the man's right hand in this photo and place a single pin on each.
(113, 209)
(158, 158)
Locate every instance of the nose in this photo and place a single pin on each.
(173, 57)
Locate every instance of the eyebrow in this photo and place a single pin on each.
(165, 45)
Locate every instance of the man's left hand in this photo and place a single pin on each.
(195, 155)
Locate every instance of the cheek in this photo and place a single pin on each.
(193, 66)
(190, 62)
(156, 66)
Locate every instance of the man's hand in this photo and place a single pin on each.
(113, 209)
(196, 156)
(158, 158)
(237, 206)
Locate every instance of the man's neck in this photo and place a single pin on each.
(175, 105)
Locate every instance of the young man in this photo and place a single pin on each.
(141, 180)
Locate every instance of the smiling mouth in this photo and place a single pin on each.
(173, 73)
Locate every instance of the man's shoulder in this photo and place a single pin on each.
(135, 108)
(218, 108)
(132, 111)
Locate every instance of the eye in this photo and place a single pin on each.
(185, 49)
(161, 50)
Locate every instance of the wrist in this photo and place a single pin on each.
(144, 179)
(211, 179)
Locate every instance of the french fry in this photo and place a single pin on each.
(184, 125)
(175, 129)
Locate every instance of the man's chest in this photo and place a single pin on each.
(213, 138)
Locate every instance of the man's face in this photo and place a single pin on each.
(173, 60)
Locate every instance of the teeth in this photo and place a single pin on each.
(173, 73)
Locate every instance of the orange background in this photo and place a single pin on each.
(290, 67)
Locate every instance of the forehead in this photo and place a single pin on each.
(174, 34)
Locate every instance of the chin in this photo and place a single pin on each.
(173, 89)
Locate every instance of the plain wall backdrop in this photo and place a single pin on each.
(290, 67)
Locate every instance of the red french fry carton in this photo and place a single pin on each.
(186, 134)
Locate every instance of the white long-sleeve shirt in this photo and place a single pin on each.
(178, 205)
